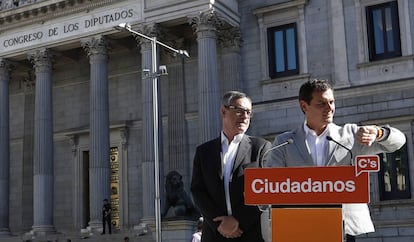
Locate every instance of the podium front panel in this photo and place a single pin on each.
(310, 224)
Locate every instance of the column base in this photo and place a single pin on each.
(5, 232)
(142, 229)
(171, 230)
(178, 230)
(42, 230)
(95, 227)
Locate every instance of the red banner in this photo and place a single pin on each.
(305, 185)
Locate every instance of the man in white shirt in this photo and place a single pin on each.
(312, 148)
(217, 182)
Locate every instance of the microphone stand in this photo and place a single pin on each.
(263, 208)
(343, 146)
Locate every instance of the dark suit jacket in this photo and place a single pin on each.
(207, 188)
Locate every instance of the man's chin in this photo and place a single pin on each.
(241, 130)
(329, 120)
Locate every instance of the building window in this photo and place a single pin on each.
(394, 178)
(383, 31)
(283, 51)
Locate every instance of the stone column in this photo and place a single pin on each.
(339, 48)
(99, 169)
(123, 177)
(205, 26)
(4, 148)
(77, 208)
(177, 159)
(43, 143)
(230, 42)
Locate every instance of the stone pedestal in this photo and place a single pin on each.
(178, 230)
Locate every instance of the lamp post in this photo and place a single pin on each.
(154, 75)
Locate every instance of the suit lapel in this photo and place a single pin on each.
(217, 157)
(299, 137)
(244, 147)
(332, 147)
(336, 153)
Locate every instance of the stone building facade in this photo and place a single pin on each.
(81, 119)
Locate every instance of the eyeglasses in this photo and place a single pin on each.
(240, 111)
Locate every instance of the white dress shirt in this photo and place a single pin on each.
(228, 154)
(317, 145)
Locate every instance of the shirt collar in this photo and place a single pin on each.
(309, 131)
(236, 138)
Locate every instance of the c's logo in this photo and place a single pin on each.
(366, 163)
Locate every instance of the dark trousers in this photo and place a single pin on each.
(106, 220)
(350, 238)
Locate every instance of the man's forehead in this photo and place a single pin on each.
(323, 95)
(244, 101)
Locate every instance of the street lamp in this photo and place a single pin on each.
(154, 75)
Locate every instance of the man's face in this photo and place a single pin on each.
(236, 117)
(320, 111)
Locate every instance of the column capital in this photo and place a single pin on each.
(5, 67)
(230, 39)
(150, 30)
(4, 63)
(124, 134)
(29, 81)
(97, 45)
(206, 21)
(169, 56)
(74, 141)
(41, 59)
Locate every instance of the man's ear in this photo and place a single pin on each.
(222, 111)
(303, 105)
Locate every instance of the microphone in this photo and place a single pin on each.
(267, 208)
(343, 146)
(289, 141)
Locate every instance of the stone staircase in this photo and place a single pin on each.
(118, 237)
(172, 231)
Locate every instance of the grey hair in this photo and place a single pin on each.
(229, 96)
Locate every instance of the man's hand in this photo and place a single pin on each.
(229, 227)
(366, 135)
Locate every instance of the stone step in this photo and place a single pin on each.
(80, 238)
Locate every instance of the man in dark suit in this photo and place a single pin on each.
(218, 175)
(106, 215)
(312, 146)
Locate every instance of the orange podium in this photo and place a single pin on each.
(306, 201)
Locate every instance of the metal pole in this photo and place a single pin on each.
(158, 236)
(154, 75)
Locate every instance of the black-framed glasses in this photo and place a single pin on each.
(240, 110)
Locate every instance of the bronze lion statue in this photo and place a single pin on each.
(176, 196)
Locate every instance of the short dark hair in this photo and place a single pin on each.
(229, 96)
(311, 86)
